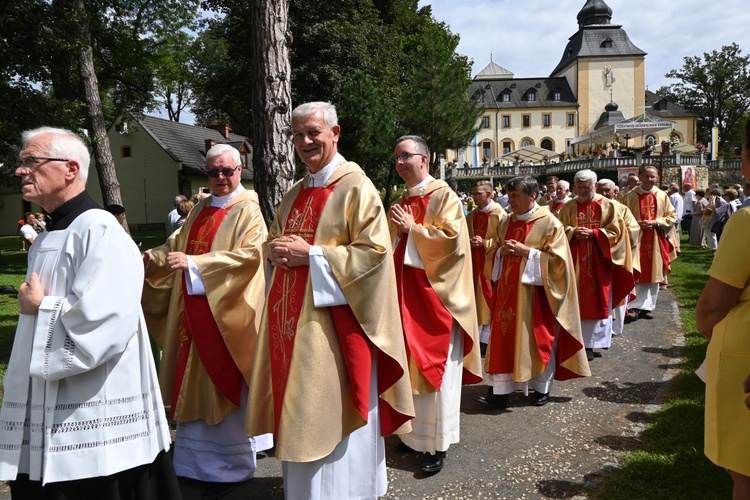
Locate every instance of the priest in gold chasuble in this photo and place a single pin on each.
(482, 223)
(436, 294)
(536, 324)
(600, 247)
(330, 377)
(202, 299)
(656, 217)
(606, 188)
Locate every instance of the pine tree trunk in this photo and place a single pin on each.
(273, 155)
(105, 164)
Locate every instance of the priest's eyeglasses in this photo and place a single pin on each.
(31, 162)
(226, 172)
(406, 156)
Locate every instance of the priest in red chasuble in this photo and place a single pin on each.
(330, 376)
(482, 223)
(535, 334)
(436, 294)
(608, 189)
(563, 196)
(656, 217)
(600, 246)
(202, 300)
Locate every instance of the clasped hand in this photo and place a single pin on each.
(289, 251)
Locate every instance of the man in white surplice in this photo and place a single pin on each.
(82, 415)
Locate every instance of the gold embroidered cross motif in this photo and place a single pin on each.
(200, 245)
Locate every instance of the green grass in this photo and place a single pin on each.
(671, 463)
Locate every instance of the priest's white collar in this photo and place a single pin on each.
(221, 201)
(419, 188)
(488, 207)
(652, 190)
(320, 177)
(526, 216)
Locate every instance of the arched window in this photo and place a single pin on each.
(526, 142)
(505, 96)
(531, 95)
(547, 144)
(650, 140)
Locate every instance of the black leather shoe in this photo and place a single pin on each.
(540, 398)
(631, 316)
(433, 463)
(402, 447)
(590, 354)
(496, 400)
(646, 315)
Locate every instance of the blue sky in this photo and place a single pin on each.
(528, 37)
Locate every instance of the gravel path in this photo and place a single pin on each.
(553, 451)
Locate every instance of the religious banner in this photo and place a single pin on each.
(688, 176)
(623, 172)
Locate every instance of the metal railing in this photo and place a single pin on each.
(593, 163)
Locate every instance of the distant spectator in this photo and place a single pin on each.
(118, 211)
(40, 223)
(183, 208)
(28, 233)
(173, 216)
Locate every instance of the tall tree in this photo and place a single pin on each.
(716, 88)
(175, 73)
(273, 157)
(434, 102)
(105, 164)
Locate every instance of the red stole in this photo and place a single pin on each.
(557, 205)
(503, 333)
(427, 323)
(198, 324)
(479, 224)
(285, 300)
(592, 259)
(647, 203)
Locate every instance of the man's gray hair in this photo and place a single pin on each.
(606, 182)
(585, 175)
(421, 145)
(222, 149)
(308, 108)
(528, 183)
(564, 184)
(63, 144)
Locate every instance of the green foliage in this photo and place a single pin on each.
(40, 82)
(389, 67)
(716, 88)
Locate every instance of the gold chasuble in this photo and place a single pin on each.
(655, 251)
(603, 264)
(311, 372)
(525, 317)
(442, 241)
(484, 224)
(201, 368)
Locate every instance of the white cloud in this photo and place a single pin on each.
(528, 37)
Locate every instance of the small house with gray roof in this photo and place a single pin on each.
(156, 159)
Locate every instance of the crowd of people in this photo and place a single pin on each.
(339, 324)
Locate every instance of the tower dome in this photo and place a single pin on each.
(594, 12)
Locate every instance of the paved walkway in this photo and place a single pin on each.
(552, 451)
(534, 452)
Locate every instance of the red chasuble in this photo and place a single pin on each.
(198, 324)
(478, 255)
(557, 205)
(427, 323)
(593, 263)
(503, 334)
(647, 204)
